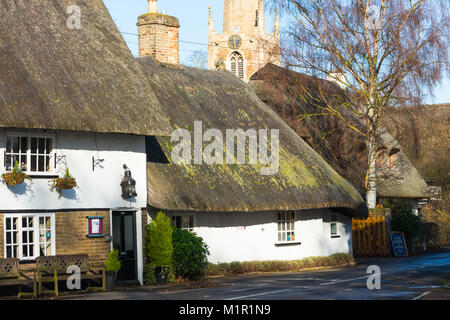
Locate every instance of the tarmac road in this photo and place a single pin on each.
(401, 279)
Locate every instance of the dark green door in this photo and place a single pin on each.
(124, 240)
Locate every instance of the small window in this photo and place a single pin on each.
(334, 226)
(185, 222)
(32, 153)
(286, 226)
(29, 236)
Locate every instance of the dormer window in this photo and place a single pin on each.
(392, 159)
(34, 153)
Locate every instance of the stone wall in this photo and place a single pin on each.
(71, 236)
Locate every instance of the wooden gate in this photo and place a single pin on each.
(370, 236)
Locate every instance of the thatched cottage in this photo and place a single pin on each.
(72, 99)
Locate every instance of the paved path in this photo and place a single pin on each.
(401, 278)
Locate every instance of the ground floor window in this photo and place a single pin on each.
(333, 226)
(27, 236)
(286, 226)
(185, 222)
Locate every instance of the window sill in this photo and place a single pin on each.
(287, 243)
(48, 176)
(335, 236)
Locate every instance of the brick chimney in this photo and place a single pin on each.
(159, 35)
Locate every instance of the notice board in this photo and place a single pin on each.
(398, 244)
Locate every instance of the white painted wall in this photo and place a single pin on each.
(97, 189)
(253, 236)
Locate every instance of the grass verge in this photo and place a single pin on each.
(236, 268)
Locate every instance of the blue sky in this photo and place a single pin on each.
(193, 17)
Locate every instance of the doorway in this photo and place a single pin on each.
(124, 240)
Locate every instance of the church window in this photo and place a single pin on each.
(237, 65)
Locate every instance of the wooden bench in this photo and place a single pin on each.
(54, 268)
(11, 275)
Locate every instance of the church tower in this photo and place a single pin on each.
(244, 46)
(159, 35)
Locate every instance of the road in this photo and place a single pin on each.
(401, 278)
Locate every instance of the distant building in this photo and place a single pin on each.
(244, 46)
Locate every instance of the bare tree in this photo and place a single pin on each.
(385, 52)
(198, 59)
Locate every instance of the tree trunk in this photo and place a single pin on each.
(371, 196)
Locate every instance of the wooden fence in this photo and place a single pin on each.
(370, 236)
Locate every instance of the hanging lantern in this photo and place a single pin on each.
(128, 184)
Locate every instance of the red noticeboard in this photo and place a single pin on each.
(95, 227)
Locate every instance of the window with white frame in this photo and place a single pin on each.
(185, 222)
(33, 153)
(334, 226)
(28, 236)
(286, 226)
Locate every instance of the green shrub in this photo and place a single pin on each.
(113, 262)
(404, 220)
(159, 248)
(190, 254)
(159, 241)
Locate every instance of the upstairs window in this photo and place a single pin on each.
(33, 153)
(393, 155)
(237, 65)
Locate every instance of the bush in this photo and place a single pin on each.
(159, 242)
(404, 220)
(190, 254)
(159, 247)
(113, 262)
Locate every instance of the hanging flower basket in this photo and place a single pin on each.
(15, 177)
(64, 183)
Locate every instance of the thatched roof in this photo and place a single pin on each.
(222, 101)
(424, 134)
(342, 147)
(54, 77)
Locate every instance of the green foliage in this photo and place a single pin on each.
(67, 182)
(190, 254)
(159, 241)
(404, 220)
(113, 262)
(150, 277)
(15, 177)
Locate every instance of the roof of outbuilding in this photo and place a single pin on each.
(222, 101)
(54, 77)
(342, 147)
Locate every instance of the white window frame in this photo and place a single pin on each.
(334, 221)
(286, 224)
(36, 230)
(28, 152)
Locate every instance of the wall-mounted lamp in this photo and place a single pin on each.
(128, 184)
